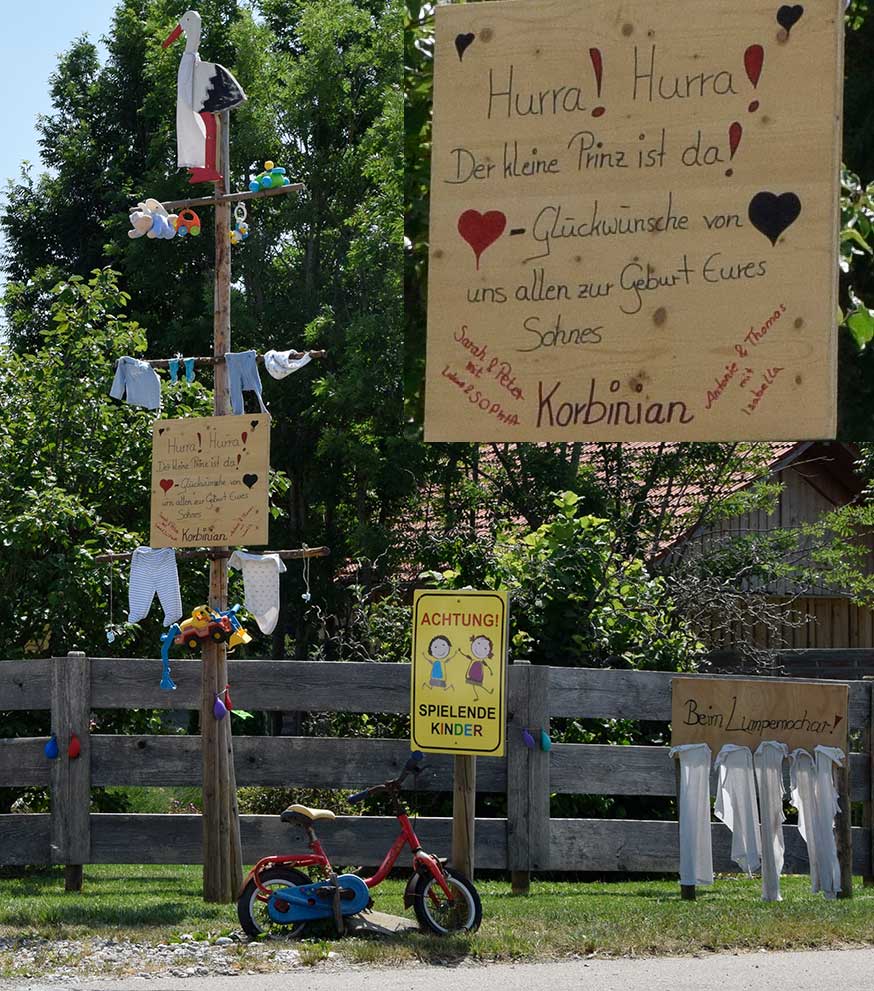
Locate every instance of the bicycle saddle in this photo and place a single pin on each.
(296, 813)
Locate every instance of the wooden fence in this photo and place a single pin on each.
(526, 840)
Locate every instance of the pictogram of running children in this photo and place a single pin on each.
(440, 654)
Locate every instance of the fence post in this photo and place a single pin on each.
(868, 806)
(518, 810)
(71, 776)
(464, 814)
(538, 770)
(843, 834)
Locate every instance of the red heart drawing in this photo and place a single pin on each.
(166, 484)
(481, 229)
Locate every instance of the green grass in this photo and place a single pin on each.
(155, 904)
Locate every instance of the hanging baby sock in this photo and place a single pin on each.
(51, 749)
(768, 763)
(280, 363)
(154, 570)
(75, 747)
(137, 383)
(243, 374)
(218, 709)
(528, 739)
(736, 805)
(261, 583)
(189, 370)
(696, 853)
(173, 365)
(815, 796)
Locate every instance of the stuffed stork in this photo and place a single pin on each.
(203, 90)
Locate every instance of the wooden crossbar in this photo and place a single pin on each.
(248, 194)
(217, 554)
(220, 359)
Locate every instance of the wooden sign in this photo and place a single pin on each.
(747, 711)
(634, 221)
(458, 678)
(210, 481)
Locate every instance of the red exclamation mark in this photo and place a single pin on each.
(735, 133)
(754, 56)
(598, 66)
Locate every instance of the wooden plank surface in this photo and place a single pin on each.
(25, 839)
(615, 251)
(285, 761)
(747, 711)
(601, 769)
(638, 845)
(595, 693)
(26, 684)
(23, 763)
(305, 686)
(71, 776)
(364, 840)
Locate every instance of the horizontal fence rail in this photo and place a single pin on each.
(527, 839)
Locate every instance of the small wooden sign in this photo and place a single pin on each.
(458, 678)
(634, 221)
(210, 481)
(717, 711)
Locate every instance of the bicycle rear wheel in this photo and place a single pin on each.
(436, 913)
(252, 909)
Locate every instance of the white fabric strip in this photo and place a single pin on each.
(696, 854)
(737, 807)
(768, 763)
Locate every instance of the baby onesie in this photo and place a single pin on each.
(261, 584)
(137, 382)
(243, 374)
(696, 853)
(153, 569)
(280, 363)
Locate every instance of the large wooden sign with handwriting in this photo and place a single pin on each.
(210, 481)
(747, 711)
(634, 220)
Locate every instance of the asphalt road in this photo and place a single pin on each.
(809, 971)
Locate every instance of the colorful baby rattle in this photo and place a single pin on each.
(188, 223)
(241, 228)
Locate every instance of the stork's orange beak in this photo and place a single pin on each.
(172, 36)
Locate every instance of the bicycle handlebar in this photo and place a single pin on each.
(412, 766)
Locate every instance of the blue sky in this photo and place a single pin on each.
(32, 38)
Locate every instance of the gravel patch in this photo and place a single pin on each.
(70, 961)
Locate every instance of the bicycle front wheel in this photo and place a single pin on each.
(436, 913)
(252, 907)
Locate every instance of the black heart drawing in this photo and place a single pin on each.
(772, 214)
(249, 480)
(463, 42)
(788, 16)
(161, 430)
(253, 423)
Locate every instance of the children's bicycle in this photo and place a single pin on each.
(278, 898)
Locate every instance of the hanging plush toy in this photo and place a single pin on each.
(150, 219)
(241, 228)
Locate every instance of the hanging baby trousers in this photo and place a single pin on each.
(768, 762)
(153, 569)
(736, 805)
(261, 584)
(815, 796)
(243, 374)
(696, 854)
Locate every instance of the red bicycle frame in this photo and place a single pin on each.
(318, 858)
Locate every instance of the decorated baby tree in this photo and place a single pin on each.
(210, 474)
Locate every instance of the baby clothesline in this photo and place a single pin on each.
(220, 359)
(215, 554)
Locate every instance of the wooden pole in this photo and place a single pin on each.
(868, 807)
(222, 860)
(464, 814)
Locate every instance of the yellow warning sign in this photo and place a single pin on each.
(458, 697)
